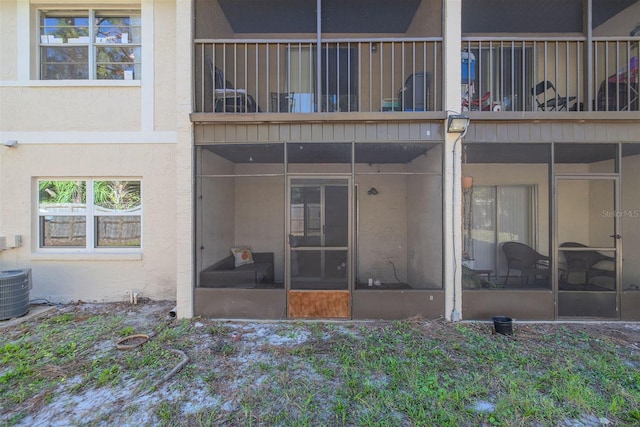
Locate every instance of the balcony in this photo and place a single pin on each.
(551, 74)
(517, 74)
(301, 76)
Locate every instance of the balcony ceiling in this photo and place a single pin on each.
(373, 153)
(539, 153)
(534, 16)
(338, 16)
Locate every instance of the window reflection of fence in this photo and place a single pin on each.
(64, 230)
(118, 231)
(111, 231)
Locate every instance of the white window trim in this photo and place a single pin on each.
(93, 45)
(90, 251)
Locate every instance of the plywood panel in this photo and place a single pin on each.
(319, 304)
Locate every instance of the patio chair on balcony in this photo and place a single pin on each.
(548, 99)
(282, 102)
(531, 264)
(228, 99)
(414, 95)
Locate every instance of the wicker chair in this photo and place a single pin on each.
(530, 263)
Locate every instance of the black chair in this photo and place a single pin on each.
(548, 99)
(228, 99)
(282, 102)
(414, 95)
(530, 263)
(587, 264)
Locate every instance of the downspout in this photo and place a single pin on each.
(318, 54)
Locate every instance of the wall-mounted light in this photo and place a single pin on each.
(457, 123)
(374, 47)
(372, 191)
(10, 143)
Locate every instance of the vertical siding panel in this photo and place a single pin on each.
(545, 132)
(370, 131)
(220, 133)
(338, 131)
(382, 131)
(414, 131)
(263, 133)
(524, 133)
(305, 134)
(579, 132)
(501, 132)
(316, 132)
(252, 132)
(274, 132)
(535, 131)
(601, 132)
(327, 132)
(512, 132)
(393, 131)
(404, 133)
(350, 131)
(295, 131)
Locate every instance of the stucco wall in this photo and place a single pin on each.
(70, 109)
(382, 225)
(8, 26)
(424, 219)
(215, 219)
(64, 277)
(259, 217)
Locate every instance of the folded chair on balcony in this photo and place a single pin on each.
(548, 99)
(524, 258)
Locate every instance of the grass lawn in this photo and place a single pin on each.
(65, 369)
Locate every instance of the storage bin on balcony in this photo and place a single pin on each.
(468, 67)
(390, 104)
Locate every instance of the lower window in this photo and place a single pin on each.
(89, 214)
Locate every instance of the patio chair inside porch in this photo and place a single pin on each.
(531, 264)
(584, 266)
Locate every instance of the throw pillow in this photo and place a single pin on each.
(242, 255)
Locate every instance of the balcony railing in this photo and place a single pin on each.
(550, 74)
(300, 76)
(383, 75)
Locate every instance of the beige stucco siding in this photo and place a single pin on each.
(70, 109)
(92, 277)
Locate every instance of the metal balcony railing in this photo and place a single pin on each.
(383, 75)
(550, 74)
(302, 76)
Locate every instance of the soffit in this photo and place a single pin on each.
(325, 152)
(534, 16)
(338, 16)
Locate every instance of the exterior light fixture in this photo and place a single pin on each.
(10, 143)
(457, 123)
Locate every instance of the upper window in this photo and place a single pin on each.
(90, 44)
(89, 214)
